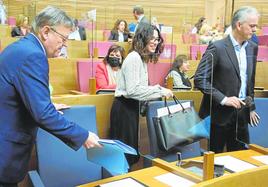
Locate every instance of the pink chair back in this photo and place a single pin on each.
(188, 38)
(169, 52)
(102, 46)
(87, 24)
(11, 21)
(195, 48)
(106, 34)
(264, 30)
(84, 72)
(263, 40)
(263, 54)
(157, 72)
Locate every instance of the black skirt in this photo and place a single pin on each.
(124, 122)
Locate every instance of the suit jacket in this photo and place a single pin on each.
(115, 36)
(82, 32)
(226, 78)
(102, 79)
(25, 105)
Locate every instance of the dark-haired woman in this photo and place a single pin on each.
(106, 71)
(120, 31)
(178, 72)
(132, 86)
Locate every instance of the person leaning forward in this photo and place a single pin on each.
(25, 102)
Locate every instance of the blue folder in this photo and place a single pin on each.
(111, 156)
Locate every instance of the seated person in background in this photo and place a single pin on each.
(198, 25)
(22, 26)
(179, 67)
(120, 31)
(79, 32)
(107, 70)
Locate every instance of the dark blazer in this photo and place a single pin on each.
(16, 31)
(25, 105)
(226, 78)
(114, 36)
(82, 32)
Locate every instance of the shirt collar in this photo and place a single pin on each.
(40, 43)
(235, 43)
(140, 17)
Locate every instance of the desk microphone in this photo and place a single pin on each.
(248, 103)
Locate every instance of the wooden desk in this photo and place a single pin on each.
(253, 177)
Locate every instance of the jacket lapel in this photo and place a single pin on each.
(250, 57)
(231, 54)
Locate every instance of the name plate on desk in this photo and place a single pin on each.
(233, 164)
(130, 182)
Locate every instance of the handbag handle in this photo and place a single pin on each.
(176, 101)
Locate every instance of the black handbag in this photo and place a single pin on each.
(180, 128)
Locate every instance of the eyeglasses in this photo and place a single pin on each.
(64, 38)
(153, 40)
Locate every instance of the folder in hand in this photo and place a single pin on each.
(111, 156)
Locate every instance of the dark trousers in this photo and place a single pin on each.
(124, 123)
(233, 134)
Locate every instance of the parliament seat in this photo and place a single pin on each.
(58, 164)
(187, 151)
(258, 135)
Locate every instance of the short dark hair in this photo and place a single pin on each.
(115, 48)
(142, 37)
(178, 61)
(138, 10)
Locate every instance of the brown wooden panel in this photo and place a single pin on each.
(103, 105)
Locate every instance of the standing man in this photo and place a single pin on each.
(25, 101)
(227, 73)
(138, 14)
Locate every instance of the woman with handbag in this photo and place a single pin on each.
(132, 86)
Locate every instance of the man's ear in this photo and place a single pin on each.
(238, 25)
(44, 32)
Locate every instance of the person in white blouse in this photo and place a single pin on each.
(120, 32)
(132, 86)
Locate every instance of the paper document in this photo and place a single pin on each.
(174, 180)
(129, 182)
(233, 164)
(111, 156)
(262, 158)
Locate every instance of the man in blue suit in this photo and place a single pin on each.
(25, 101)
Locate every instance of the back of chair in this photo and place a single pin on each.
(258, 135)
(59, 165)
(191, 150)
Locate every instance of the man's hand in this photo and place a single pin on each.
(254, 119)
(92, 141)
(234, 102)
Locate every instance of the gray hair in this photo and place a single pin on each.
(242, 14)
(138, 9)
(51, 16)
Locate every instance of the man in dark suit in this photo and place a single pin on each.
(25, 101)
(138, 14)
(227, 73)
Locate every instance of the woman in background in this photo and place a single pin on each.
(132, 86)
(178, 72)
(107, 70)
(120, 31)
(22, 26)
(198, 25)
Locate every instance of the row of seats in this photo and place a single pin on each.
(71, 168)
